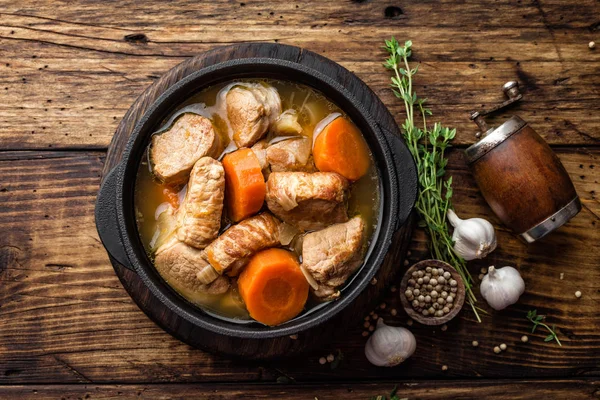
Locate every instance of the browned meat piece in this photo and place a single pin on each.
(174, 152)
(291, 155)
(179, 265)
(251, 109)
(237, 244)
(308, 201)
(333, 254)
(199, 216)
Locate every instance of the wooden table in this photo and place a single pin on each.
(69, 72)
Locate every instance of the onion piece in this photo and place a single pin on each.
(207, 275)
(278, 139)
(322, 124)
(287, 233)
(162, 207)
(311, 281)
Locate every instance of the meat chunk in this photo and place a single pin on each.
(290, 155)
(251, 109)
(237, 244)
(174, 152)
(179, 265)
(333, 254)
(199, 216)
(308, 201)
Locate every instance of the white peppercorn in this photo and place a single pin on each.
(497, 350)
(433, 282)
(421, 298)
(453, 282)
(428, 299)
(524, 339)
(503, 346)
(447, 275)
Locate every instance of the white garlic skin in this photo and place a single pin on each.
(502, 287)
(473, 238)
(389, 345)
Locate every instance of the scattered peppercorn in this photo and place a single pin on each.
(371, 328)
(365, 334)
(444, 368)
(330, 358)
(294, 337)
(592, 44)
(322, 360)
(524, 339)
(393, 312)
(503, 346)
(409, 322)
(444, 328)
(497, 350)
(578, 294)
(475, 343)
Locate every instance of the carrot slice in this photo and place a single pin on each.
(341, 148)
(170, 196)
(244, 184)
(273, 286)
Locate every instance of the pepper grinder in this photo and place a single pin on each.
(519, 175)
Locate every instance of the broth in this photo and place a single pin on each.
(312, 107)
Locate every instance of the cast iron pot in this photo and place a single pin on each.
(115, 217)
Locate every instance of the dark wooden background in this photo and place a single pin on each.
(70, 70)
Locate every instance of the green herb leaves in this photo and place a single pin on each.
(536, 320)
(427, 146)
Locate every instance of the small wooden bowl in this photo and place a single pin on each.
(459, 299)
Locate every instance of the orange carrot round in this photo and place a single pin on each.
(341, 148)
(245, 187)
(273, 286)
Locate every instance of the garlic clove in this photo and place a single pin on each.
(474, 238)
(502, 287)
(389, 346)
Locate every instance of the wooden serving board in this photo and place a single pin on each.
(253, 348)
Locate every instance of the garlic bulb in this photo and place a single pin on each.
(502, 287)
(389, 346)
(473, 237)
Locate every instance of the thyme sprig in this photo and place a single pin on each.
(536, 320)
(427, 146)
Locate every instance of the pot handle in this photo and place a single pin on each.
(406, 176)
(106, 220)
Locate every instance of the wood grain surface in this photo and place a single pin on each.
(70, 70)
(576, 389)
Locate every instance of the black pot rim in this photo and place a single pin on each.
(257, 68)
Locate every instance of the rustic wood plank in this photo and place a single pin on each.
(481, 389)
(69, 73)
(66, 318)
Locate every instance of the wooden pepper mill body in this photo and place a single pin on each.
(522, 180)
